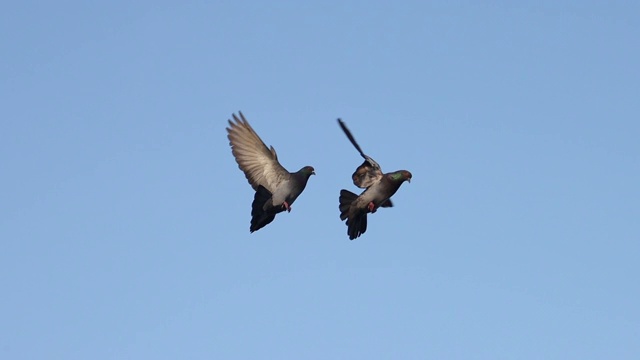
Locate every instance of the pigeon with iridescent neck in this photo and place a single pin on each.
(379, 188)
(276, 188)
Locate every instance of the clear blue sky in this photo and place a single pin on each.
(124, 218)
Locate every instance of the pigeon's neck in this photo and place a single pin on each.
(393, 185)
(301, 177)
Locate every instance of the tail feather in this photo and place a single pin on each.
(346, 198)
(259, 216)
(356, 220)
(357, 224)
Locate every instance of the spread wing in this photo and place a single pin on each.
(259, 163)
(369, 172)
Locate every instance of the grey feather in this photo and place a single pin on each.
(379, 188)
(369, 172)
(276, 188)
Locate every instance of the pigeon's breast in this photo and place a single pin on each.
(287, 191)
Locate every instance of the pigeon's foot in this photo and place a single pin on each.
(286, 206)
(371, 207)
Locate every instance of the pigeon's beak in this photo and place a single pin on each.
(313, 172)
(408, 175)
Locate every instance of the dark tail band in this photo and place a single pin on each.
(356, 220)
(259, 217)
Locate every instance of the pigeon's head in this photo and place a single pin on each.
(307, 171)
(400, 176)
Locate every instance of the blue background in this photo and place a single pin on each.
(124, 218)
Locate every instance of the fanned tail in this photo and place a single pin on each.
(356, 220)
(260, 217)
(346, 198)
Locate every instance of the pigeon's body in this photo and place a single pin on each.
(276, 188)
(378, 193)
(379, 188)
(354, 208)
(289, 189)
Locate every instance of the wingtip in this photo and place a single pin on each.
(239, 120)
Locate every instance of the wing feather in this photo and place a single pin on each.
(369, 172)
(258, 162)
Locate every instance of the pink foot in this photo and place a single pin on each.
(287, 206)
(371, 207)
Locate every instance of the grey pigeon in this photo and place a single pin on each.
(379, 188)
(276, 188)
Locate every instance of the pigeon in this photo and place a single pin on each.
(276, 188)
(379, 188)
